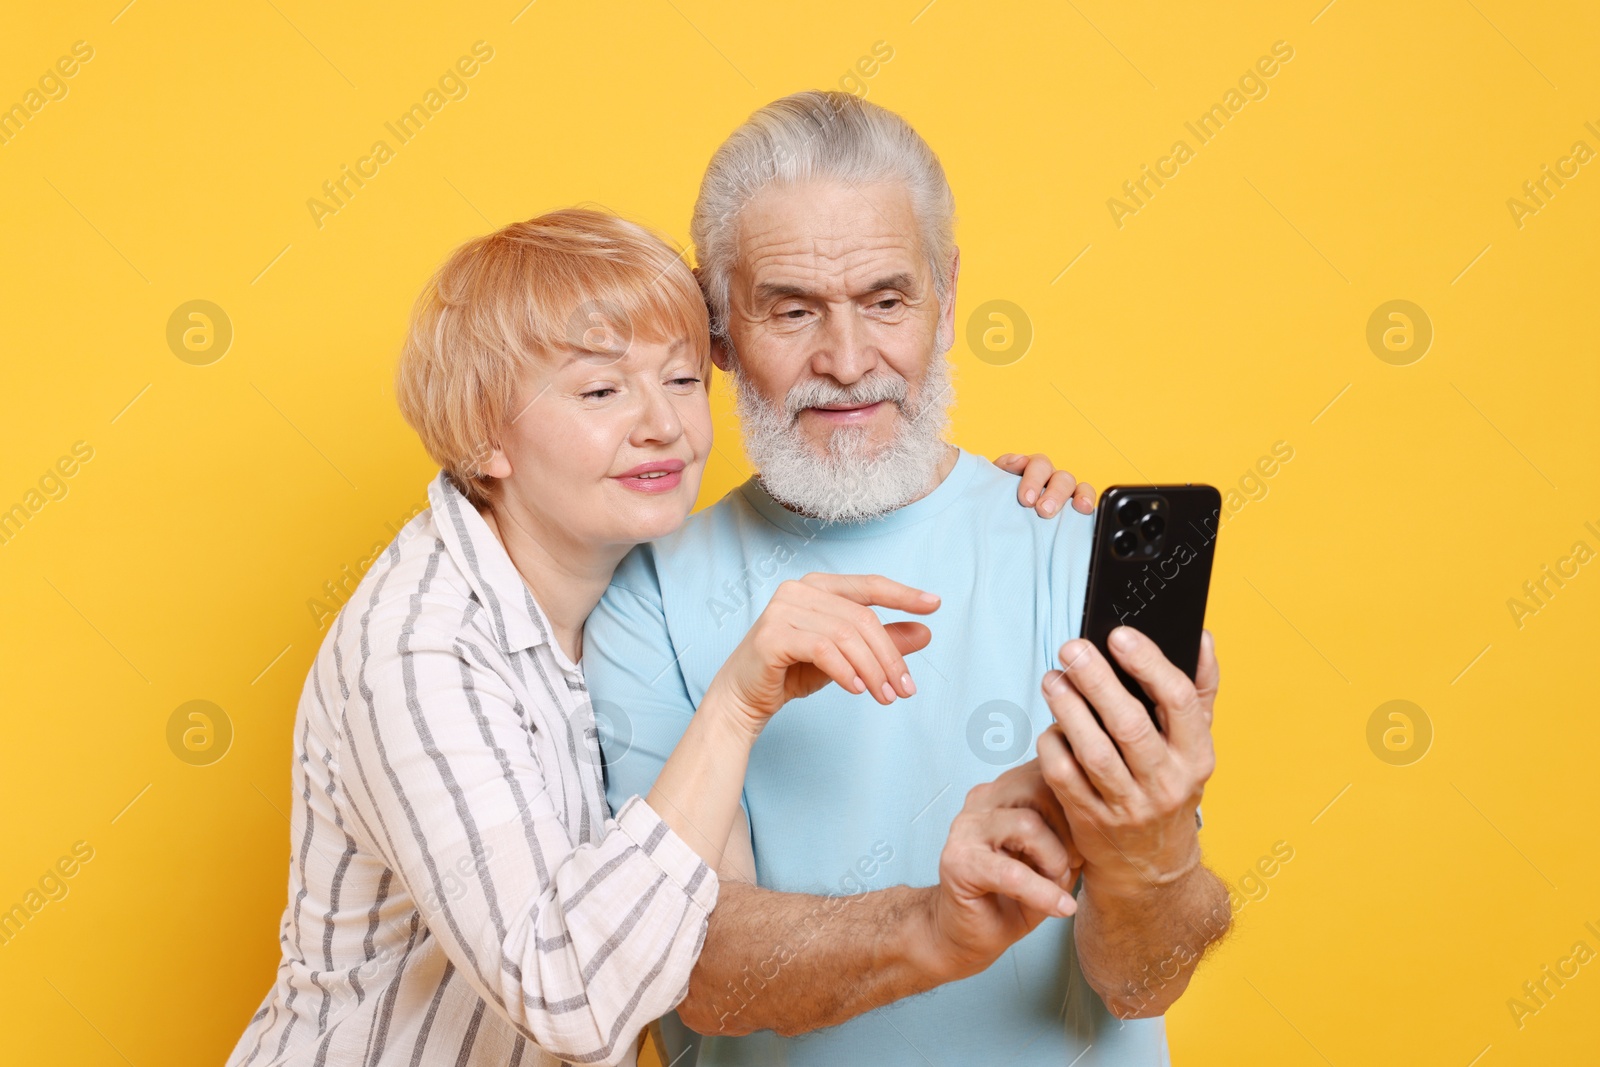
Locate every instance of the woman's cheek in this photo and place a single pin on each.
(697, 423)
(583, 443)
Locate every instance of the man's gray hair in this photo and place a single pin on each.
(816, 135)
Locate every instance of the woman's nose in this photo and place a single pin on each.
(658, 421)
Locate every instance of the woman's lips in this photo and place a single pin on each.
(659, 476)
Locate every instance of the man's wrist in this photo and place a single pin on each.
(917, 944)
(1136, 885)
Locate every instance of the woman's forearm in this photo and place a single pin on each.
(697, 792)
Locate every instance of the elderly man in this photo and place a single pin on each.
(823, 230)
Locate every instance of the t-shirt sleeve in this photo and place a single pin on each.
(1068, 569)
(632, 667)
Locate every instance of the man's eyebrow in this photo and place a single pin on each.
(902, 280)
(778, 290)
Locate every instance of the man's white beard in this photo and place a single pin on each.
(849, 482)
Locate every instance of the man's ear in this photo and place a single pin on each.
(721, 355)
(947, 312)
(721, 358)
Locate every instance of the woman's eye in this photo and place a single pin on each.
(686, 381)
(598, 394)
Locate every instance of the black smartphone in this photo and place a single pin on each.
(1151, 569)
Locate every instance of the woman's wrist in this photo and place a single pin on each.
(726, 710)
(697, 792)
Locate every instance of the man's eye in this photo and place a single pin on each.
(792, 313)
(887, 303)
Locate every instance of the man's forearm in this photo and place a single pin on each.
(1138, 950)
(791, 962)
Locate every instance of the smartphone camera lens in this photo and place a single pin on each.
(1128, 511)
(1124, 542)
(1152, 525)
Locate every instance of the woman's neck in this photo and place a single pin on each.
(567, 578)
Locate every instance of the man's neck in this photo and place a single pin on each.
(951, 455)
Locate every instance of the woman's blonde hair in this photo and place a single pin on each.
(570, 280)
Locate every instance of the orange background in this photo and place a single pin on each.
(1229, 313)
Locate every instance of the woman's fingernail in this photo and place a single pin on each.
(857, 685)
(930, 598)
(1122, 639)
(888, 692)
(1053, 682)
(1030, 496)
(1049, 507)
(910, 686)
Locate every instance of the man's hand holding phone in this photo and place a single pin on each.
(1128, 790)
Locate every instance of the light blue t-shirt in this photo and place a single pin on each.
(846, 795)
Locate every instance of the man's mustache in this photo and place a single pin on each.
(820, 392)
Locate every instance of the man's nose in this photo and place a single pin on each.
(846, 354)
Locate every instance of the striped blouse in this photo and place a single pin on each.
(458, 890)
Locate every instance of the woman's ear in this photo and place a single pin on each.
(495, 465)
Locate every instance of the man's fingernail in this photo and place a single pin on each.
(1122, 638)
(1053, 682)
(1064, 905)
(1049, 507)
(910, 686)
(930, 598)
(1030, 496)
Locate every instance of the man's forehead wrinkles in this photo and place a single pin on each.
(838, 245)
(819, 246)
(850, 259)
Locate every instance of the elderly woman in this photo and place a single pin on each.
(458, 890)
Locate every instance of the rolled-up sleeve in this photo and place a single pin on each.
(579, 947)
